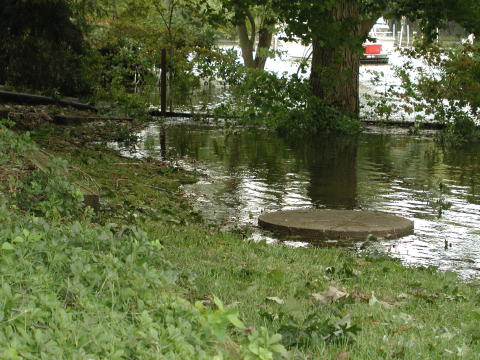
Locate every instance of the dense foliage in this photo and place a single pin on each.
(285, 104)
(41, 48)
(111, 51)
(436, 84)
(75, 289)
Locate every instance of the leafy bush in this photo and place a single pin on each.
(74, 289)
(436, 84)
(41, 48)
(285, 104)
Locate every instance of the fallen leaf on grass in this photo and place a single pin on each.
(343, 356)
(373, 300)
(334, 294)
(403, 317)
(331, 294)
(276, 299)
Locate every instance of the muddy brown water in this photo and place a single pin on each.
(248, 172)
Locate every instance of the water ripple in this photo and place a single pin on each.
(250, 172)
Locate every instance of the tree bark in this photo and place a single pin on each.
(264, 42)
(335, 77)
(247, 43)
(335, 67)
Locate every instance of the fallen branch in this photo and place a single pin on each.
(128, 163)
(157, 188)
(25, 98)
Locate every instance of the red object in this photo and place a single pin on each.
(372, 49)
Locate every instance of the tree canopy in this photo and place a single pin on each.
(44, 43)
(337, 29)
(40, 46)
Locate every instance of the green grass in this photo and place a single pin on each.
(123, 283)
(419, 314)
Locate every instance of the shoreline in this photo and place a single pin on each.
(324, 301)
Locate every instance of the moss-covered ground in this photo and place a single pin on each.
(122, 283)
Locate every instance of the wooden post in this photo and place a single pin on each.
(170, 80)
(163, 83)
(163, 143)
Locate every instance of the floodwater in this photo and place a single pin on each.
(247, 172)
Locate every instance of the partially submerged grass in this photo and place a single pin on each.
(327, 303)
(131, 190)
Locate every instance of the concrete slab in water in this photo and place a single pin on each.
(336, 224)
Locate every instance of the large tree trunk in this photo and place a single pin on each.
(246, 45)
(335, 67)
(264, 42)
(335, 76)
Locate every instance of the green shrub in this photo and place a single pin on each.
(75, 289)
(285, 104)
(41, 48)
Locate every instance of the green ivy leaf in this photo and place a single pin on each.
(233, 318)
(18, 239)
(7, 246)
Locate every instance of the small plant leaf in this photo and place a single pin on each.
(233, 318)
(276, 299)
(7, 246)
(18, 239)
(279, 349)
(218, 302)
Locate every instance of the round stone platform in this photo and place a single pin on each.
(336, 224)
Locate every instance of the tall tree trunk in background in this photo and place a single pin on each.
(247, 42)
(264, 42)
(335, 76)
(335, 69)
(246, 45)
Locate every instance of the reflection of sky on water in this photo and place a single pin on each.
(250, 172)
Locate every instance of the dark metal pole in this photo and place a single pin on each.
(163, 83)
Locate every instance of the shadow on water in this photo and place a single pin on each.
(248, 172)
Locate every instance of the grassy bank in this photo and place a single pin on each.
(123, 283)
